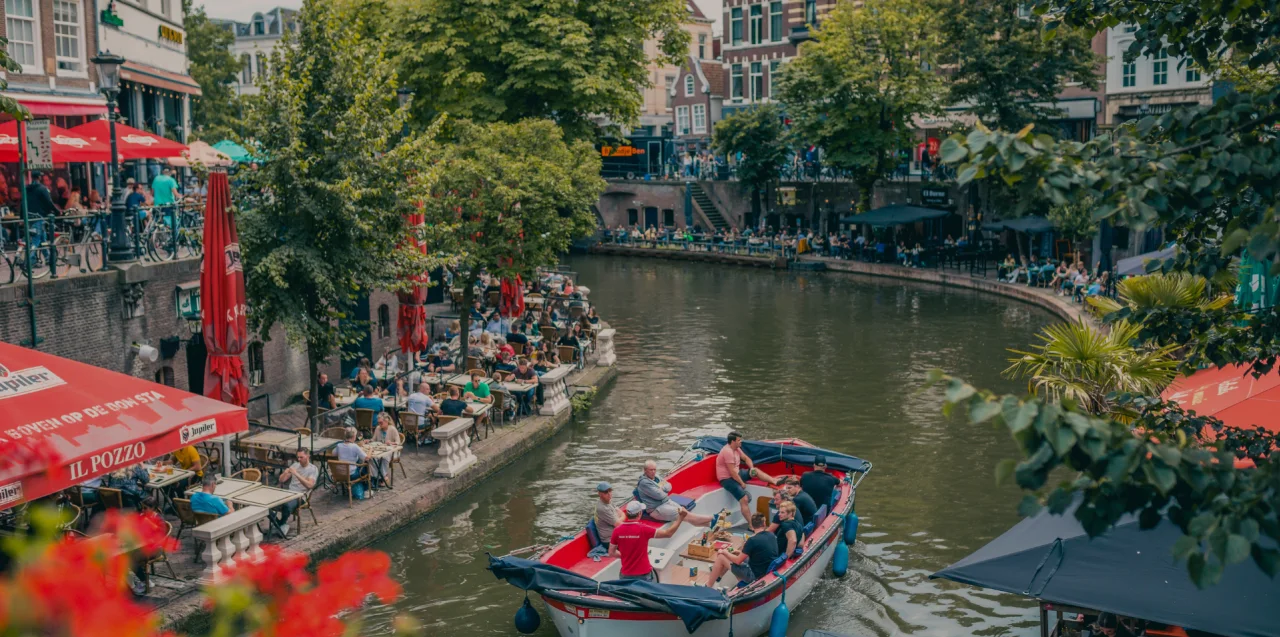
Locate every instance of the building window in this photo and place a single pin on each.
(1160, 68)
(757, 81)
(259, 25)
(735, 74)
(773, 70)
(384, 321)
(671, 88)
(699, 118)
(702, 46)
(668, 217)
(688, 85)
(1129, 74)
(257, 369)
(165, 8)
(735, 26)
(164, 376)
(775, 21)
(246, 69)
(1130, 28)
(633, 216)
(20, 21)
(66, 35)
(682, 120)
(811, 12)
(757, 24)
(1193, 74)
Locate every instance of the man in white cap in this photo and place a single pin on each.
(630, 541)
(607, 515)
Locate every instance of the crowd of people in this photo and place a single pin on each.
(1067, 279)
(795, 502)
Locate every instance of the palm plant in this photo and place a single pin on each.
(1079, 362)
(1175, 290)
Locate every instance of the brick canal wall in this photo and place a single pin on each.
(688, 255)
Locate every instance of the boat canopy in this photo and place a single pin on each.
(694, 605)
(1126, 571)
(763, 452)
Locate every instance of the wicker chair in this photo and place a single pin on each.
(414, 426)
(340, 471)
(162, 556)
(336, 433)
(364, 422)
(186, 517)
(111, 498)
(250, 473)
(297, 513)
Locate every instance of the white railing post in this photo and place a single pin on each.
(230, 539)
(454, 448)
(604, 348)
(555, 394)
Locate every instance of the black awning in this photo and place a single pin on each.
(895, 216)
(1126, 571)
(1021, 224)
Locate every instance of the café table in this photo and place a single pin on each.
(269, 438)
(461, 380)
(523, 391)
(379, 452)
(160, 480)
(267, 498)
(227, 487)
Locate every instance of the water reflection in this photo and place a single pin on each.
(836, 360)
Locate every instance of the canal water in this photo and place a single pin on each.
(833, 359)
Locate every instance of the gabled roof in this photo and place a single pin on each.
(710, 77)
(694, 11)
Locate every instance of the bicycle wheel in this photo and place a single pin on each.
(61, 254)
(91, 253)
(39, 263)
(160, 243)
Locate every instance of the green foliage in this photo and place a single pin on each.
(325, 220)
(581, 401)
(8, 105)
(1074, 220)
(1175, 290)
(1085, 365)
(507, 199)
(1227, 515)
(1007, 72)
(758, 134)
(854, 90)
(574, 61)
(217, 113)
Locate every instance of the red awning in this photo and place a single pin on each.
(85, 421)
(1231, 395)
(50, 109)
(132, 142)
(67, 146)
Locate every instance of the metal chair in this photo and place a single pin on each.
(297, 513)
(364, 422)
(162, 556)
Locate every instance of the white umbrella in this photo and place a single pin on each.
(200, 152)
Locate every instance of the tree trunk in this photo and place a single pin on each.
(755, 207)
(468, 297)
(313, 368)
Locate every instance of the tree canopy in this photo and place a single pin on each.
(217, 112)
(854, 90)
(573, 61)
(758, 134)
(507, 198)
(324, 223)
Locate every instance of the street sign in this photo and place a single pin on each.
(39, 145)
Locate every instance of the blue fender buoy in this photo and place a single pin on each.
(527, 618)
(840, 561)
(851, 528)
(781, 617)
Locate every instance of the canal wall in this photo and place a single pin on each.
(343, 527)
(689, 255)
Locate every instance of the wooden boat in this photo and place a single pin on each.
(586, 613)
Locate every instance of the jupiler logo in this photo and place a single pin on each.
(26, 381)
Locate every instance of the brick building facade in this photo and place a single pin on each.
(696, 101)
(759, 37)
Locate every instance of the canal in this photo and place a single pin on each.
(703, 349)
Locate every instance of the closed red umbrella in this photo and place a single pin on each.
(411, 322)
(222, 304)
(512, 302)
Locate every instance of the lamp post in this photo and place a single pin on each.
(404, 95)
(121, 250)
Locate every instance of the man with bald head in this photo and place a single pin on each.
(653, 494)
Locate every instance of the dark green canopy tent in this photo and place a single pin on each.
(1030, 225)
(895, 215)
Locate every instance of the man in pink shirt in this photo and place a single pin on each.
(732, 477)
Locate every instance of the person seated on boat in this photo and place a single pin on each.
(630, 541)
(787, 528)
(818, 483)
(804, 502)
(779, 497)
(654, 495)
(752, 562)
(732, 477)
(607, 515)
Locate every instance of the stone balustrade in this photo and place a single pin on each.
(230, 540)
(454, 448)
(555, 394)
(604, 348)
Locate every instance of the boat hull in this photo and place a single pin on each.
(750, 619)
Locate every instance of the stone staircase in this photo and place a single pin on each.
(707, 206)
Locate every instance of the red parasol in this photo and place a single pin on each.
(511, 303)
(132, 143)
(222, 304)
(67, 146)
(411, 323)
(66, 422)
(1231, 395)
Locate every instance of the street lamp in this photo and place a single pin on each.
(121, 250)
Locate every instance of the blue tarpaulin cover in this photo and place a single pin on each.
(761, 452)
(694, 605)
(1126, 571)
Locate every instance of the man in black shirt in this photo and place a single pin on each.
(818, 483)
(753, 562)
(804, 503)
(326, 398)
(453, 405)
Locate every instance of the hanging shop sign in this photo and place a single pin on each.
(934, 197)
